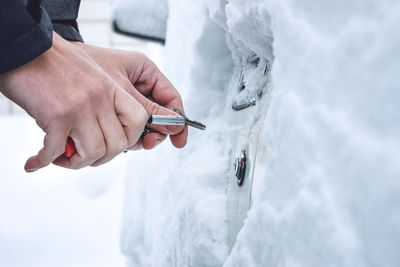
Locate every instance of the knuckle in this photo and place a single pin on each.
(79, 165)
(120, 146)
(126, 85)
(96, 164)
(152, 108)
(139, 121)
(97, 153)
(76, 167)
(142, 116)
(42, 161)
(60, 112)
(54, 151)
(97, 94)
(130, 141)
(140, 56)
(123, 146)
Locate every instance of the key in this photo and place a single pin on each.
(188, 121)
(70, 149)
(166, 120)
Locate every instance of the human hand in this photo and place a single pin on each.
(68, 94)
(144, 81)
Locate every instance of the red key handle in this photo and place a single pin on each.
(70, 148)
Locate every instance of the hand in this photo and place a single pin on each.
(68, 94)
(144, 81)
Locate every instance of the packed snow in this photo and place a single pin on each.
(326, 177)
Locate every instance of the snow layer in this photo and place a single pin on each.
(146, 18)
(326, 180)
(174, 212)
(326, 187)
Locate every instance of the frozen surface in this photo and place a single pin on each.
(326, 186)
(174, 212)
(55, 217)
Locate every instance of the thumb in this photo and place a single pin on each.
(154, 108)
(53, 147)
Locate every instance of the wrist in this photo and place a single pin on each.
(7, 79)
(4, 80)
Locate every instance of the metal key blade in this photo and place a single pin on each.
(195, 124)
(188, 121)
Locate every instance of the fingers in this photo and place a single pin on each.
(178, 134)
(114, 135)
(179, 140)
(53, 147)
(114, 122)
(153, 139)
(131, 114)
(155, 109)
(120, 126)
(116, 128)
(137, 146)
(152, 84)
(90, 145)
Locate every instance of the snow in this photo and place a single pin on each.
(325, 189)
(322, 141)
(330, 190)
(146, 18)
(56, 217)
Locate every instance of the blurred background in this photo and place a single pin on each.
(59, 217)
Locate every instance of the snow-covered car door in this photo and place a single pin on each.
(325, 166)
(141, 19)
(248, 95)
(225, 83)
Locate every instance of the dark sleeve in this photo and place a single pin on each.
(25, 33)
(63, 15)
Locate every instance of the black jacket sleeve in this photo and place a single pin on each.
(63, 15)
(26, 28)
(25, 33)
